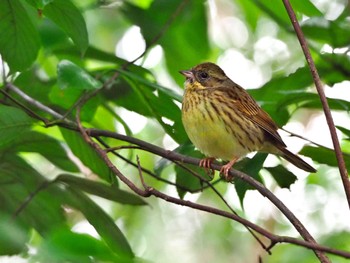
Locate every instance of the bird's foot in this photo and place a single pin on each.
(206, 163)
(225, 169)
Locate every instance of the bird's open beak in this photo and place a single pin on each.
(187, 73)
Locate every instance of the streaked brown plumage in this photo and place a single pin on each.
(223, 121)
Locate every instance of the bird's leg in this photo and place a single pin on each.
(226, 168)
(206, 163)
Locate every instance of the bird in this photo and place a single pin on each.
(224, 121)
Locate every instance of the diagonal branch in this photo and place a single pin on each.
(173, 156)
(320, 90)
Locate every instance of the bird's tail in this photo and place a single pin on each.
(296, 160)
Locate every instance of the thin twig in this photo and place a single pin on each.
(173, 156)
(320, 90)
(148, 191)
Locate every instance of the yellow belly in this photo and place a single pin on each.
(214, 139)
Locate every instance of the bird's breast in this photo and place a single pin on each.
(216, 129)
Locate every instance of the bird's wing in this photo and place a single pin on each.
(251, 110)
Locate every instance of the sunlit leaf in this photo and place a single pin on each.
(72, 76)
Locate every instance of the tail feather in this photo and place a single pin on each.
(297, 161)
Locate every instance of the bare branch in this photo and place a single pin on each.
(320, 90)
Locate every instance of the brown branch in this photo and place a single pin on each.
(173, 156)
(149, 191)
(326, 109)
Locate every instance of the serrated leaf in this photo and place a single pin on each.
(67, 16)
(13, 122)
(283, 177)
(71, 76)
(19, 39)
(86, 154)
(110, 192)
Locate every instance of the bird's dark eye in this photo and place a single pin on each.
(203, 75)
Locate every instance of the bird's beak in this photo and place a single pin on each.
(187, 73)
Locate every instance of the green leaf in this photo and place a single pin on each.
(252, 168)
(283, 177)
(18, 181)
(324, 155)
(13, 122)
(334, 33)
(47, 146)
(159, 105)
(30, 83)
(306, 7)
(345, 131)
(269, 95)
(312, 100)
(103, 224)
(186, 179)
(191, 23)
(39, 4)
(86, 154)
(14, 234)
(110, 192)
(67, 16)
(66, 246)
(19, 39)
(72, 76)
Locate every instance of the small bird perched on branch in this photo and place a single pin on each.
(223, 121)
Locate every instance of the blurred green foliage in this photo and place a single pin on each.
(57, 51)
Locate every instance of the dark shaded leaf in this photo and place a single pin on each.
(334, 33)
(146, 100)
(18, 180)
(252, 168)
(19, 39)
(324, 155)
(269, 95)
(13, 122)
(283, 177)
(67, 16)
(189, 49)
(14, 234)
(183, 177)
